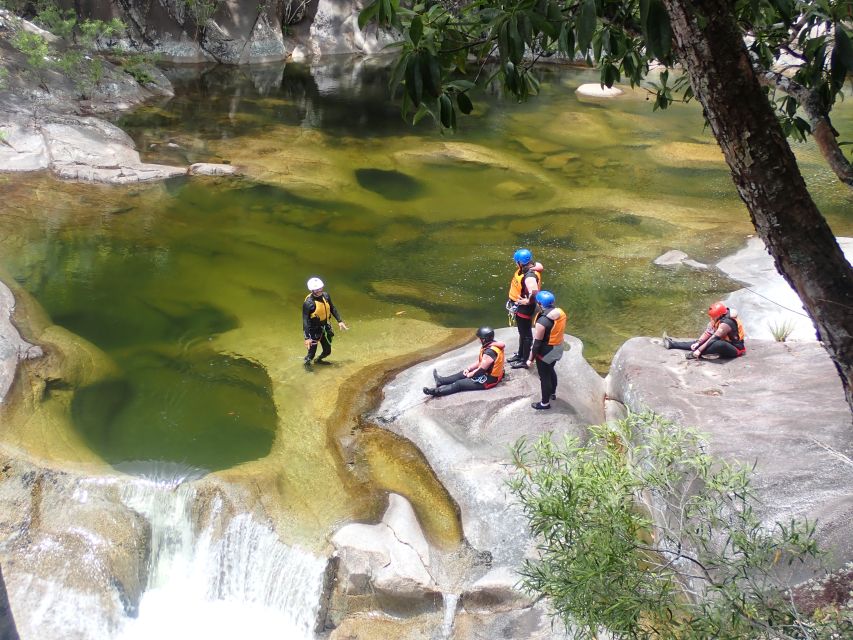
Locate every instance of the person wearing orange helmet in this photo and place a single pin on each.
(723, 337)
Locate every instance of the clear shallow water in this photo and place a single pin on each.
(193, 287)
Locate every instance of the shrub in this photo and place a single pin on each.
(782, 330)
(644, 534)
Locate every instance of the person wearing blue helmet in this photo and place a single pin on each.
(547, 348)
(525, 283)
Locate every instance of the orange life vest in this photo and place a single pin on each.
(496, 371)
(516, 285)
(557, 332)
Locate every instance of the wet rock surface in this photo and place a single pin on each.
(780, 407)
(45, 123)
(69, 543)
(466, 438)
(13, 348)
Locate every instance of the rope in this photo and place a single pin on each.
(799, 313)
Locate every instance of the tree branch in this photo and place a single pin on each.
(824, 133)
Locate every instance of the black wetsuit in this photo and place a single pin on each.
(524, 317)
(717, 346)
(547, 370)
(318, 331)
(458, 382)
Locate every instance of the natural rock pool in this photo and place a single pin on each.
(187, 294)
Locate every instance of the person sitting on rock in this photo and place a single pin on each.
(723, 336)
(483, 374)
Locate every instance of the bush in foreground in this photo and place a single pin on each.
(643, 534)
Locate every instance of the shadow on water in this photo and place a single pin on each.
(391, 185)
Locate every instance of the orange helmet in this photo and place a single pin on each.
(717, 310)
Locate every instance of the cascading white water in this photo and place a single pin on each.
(245, 583)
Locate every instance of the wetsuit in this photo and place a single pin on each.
(524, 313)
(730, 346)
(479, 380)
(316, 312)
(548, 351)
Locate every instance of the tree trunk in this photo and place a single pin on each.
(766, 173)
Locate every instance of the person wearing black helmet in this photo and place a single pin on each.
(521, 304)
(548, 336)
(485, 373)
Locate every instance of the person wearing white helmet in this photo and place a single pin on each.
(317, 310)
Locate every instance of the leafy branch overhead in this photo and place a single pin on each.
(801, 48)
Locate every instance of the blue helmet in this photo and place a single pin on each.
(545, 298)
(523, 256)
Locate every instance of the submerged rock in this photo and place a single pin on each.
(674, 258)
(592, 90)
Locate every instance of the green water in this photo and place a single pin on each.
(399, 221)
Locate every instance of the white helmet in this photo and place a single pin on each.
(314, 283)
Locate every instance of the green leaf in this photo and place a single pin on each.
(503, 41)
(416, 30)
(397, 73)
(658, 31)
(431, 74)
(414, 81)
(844, 47)
(367, 14)
(422, 111)
(516, 44)
(461, 85)
(465, 104)
(586, 22)
(446, 111)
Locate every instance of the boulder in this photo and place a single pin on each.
(674, 258)
(211, 169)
(496, 592)
(74, 557)
(592, 90)
(465, 437)
(383, 566)
(334, 30)
(768, 303)
(13, 347)
(780, 407)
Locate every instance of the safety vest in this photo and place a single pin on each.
(516, 285)
(496, 371)
(736, 340)
(322, 308)
(557, 331)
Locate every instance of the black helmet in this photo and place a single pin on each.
(486, 334)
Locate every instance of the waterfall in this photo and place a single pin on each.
(451, 601)
(240, 582)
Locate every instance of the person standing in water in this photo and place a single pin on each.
(317, 311)
(547, 349)
(523, 287)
